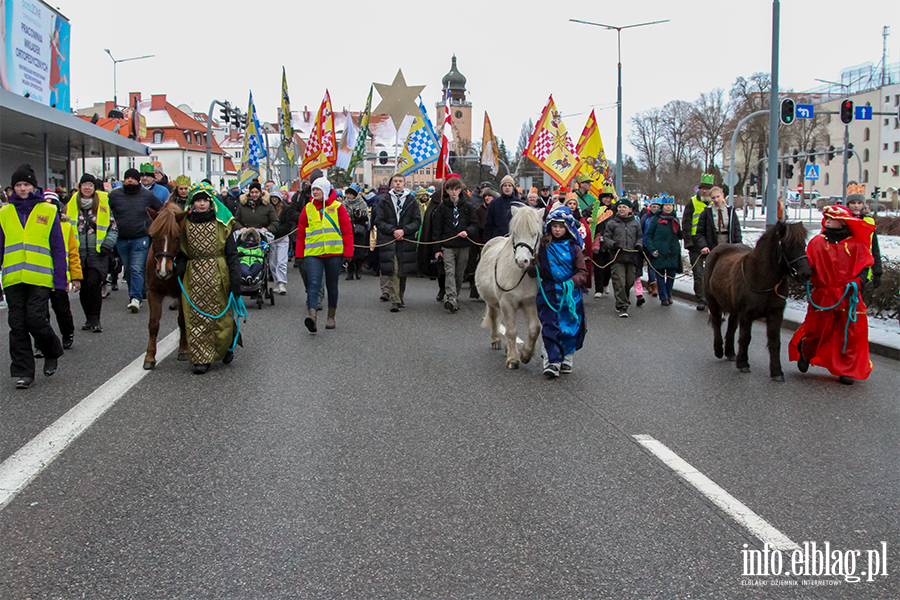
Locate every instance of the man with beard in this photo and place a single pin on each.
(689, 222)
(148, 182)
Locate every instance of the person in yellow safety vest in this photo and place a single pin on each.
(692, 211)
(324, 242)
(33, 259)
(59, 299)
(90, 215)
(856, 204)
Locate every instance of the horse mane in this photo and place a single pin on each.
(525, 223)
(790, 235)
(165, 222)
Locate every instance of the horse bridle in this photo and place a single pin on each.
(516, 246)
(789, 263)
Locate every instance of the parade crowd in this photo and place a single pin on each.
(52, 244)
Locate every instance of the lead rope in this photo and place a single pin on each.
(236, 305)
(568, 296)
(851, 309)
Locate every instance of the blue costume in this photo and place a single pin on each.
(562, 275)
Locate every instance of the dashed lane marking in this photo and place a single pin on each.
(21, 468)
(733, 507)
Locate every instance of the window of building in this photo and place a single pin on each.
(866, 176)
(896, 123)
(866, 155)
(896, 147)
(895, 170)
(827, 178)
(884, 169)
(199, 139)
(887, 122)
(158, 137)
(154, 158)
(189, 163)
(887, 99)
(897, 100)
(187, 137)
(884, 146)
(866, 135)
(202, 167)
(107, 164)
(428, 171)
(131, 162)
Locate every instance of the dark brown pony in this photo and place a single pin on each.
(165, 234)
(750, 284)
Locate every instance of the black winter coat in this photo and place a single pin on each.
(446, 225)
(130, 211)
(386, 223)
(624, 233)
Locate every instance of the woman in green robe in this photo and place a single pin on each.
(212, 274)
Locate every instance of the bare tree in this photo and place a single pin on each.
(710, 118)
(675, 121)
(646, 137)
(748, 95)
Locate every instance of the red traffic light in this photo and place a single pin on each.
(847, 111)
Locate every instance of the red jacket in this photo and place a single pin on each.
(343, 222)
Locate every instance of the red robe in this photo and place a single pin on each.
(822, 331)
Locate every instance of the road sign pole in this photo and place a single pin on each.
(846, 160)
(772, 181)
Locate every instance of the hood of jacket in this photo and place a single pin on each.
(264, 198)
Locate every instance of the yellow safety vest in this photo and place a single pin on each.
(699, 207)
(870, 221)
(322, 236)
(72, 209)
(26, 255)
(66, 227)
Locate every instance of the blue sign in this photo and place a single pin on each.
(805, 111)
(863, 113)
(812, 172)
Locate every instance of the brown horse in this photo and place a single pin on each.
(752, 283)
(165, 234)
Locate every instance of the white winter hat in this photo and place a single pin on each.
(324, 185)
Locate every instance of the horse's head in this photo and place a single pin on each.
(165, 232)
(525, 233)
(792, 250)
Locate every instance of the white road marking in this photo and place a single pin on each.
(21, 468)
(733, 507)
(502, 329)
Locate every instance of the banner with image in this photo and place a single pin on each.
(34, 54)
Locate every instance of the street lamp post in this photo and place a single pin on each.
(619, 93)
(115, 62)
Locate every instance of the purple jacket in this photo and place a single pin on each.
(24, 207)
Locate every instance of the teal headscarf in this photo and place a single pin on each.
(223, 215)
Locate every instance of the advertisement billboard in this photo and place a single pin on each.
(34, 54)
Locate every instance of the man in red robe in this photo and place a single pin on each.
(835, 332)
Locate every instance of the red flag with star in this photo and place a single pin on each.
(321, 149)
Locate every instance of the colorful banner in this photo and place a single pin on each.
(360, 151)
(34, 54)
(421, 146)
(321, 148)
(287, 127)
(347, 147)
(593, 158)
(551, 148)
(443, 166)
(254, 148)
(490, 153)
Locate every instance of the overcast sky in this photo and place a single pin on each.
(514, 53)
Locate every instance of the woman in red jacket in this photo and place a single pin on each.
(324, 243)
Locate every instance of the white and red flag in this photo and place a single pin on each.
(443, 166)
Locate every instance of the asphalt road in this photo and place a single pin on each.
(397, 457)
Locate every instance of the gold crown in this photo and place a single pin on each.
(856, 188)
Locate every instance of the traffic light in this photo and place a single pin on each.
(225, 117)
(875, 193)
(847, 111)
(382, 157)
(811, 155)
(779, 170)
(752, 179)
(796, 156)
(789, 171)
(830, 153)
(788, 109)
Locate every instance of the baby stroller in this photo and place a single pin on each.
(253, 250)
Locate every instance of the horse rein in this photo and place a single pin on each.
(782, 258)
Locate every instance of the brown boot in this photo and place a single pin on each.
(329, 323)
(654, 289)
(310, 321)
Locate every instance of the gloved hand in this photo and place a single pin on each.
(298, 262)
(104, 252)
(876, 281)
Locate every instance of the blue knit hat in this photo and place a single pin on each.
(564, 215)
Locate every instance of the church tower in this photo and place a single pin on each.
(454, 85)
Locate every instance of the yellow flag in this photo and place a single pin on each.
(321, 148)
(593, 158)
(551, 148)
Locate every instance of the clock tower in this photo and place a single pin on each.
(454, 86)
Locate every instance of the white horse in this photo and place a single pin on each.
(505, 287)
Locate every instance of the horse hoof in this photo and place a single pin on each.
(495, 345)
(778, 378)
(182, 356)
(149, 365)
(745, 369)
(729, 357)
(512, 365)
(525, 358)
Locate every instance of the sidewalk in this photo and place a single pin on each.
(881, 342)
